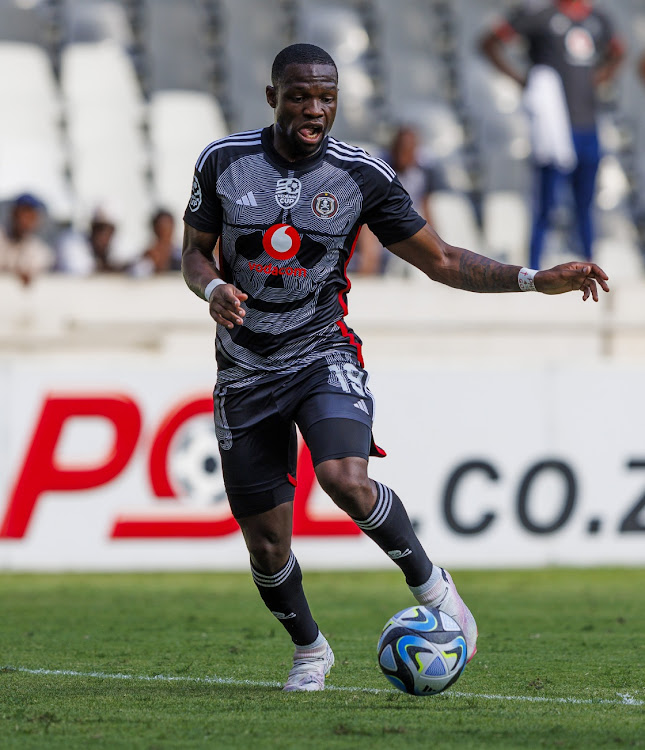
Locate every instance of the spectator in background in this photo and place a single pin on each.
(163, 254)
(419, 180)
(641, 67)
(83, 255)
(572, 49)
(22, 252)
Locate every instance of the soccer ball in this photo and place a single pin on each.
(422, 651)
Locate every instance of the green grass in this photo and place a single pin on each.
(553, 634)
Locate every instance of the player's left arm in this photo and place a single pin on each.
(464, 269)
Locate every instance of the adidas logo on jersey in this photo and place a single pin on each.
(247, 200)
(362, 406)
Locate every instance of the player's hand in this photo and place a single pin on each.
(226, 305)
(571, 277)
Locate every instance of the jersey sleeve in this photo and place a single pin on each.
(204, 209)
(389, 213)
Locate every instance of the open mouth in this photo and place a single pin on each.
(311, 133)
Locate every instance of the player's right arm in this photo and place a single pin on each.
(199, 270)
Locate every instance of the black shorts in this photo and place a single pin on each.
(256, 429)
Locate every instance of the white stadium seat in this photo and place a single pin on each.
(100, 75)
(181, 124)
(32, 155)
(108, 150)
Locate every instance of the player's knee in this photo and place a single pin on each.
(269, 553)
(348, 485)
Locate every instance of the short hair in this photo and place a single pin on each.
(299, 54)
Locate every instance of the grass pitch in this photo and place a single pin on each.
(561, 664)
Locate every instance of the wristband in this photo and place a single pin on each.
(525, 280)
(210, 287)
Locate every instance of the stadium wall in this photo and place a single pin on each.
(513, 427)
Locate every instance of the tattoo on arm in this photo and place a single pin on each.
(478, 273)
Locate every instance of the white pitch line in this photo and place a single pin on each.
(626, 699)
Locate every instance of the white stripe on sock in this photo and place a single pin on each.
(381, 510)
(277, 578)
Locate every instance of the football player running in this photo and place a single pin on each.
(286, 204)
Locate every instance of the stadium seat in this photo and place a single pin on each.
(96, 21)
(34, 89)
(181, 124)
(262, 28)
(108, 153)
(491, 102)
(32, 156)
(102, 75)
(36, 165)
(409, 43)
(25, 21)
(341, 32)
(176, 45)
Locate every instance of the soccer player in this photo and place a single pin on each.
(287, 203)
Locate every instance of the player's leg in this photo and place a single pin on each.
(278, 578)
(258, 452)
(379, 513)
(375, 508)
(334, 411)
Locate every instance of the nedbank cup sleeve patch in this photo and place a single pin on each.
(195, 195)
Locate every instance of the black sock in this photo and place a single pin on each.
(284, 596)
(389, 526)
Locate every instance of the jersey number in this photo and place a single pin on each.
(348, 377)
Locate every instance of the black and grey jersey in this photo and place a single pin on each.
(287, 232)
(574, 48)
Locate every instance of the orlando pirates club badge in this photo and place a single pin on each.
(324, 205)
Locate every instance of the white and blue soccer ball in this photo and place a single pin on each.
(422, 651)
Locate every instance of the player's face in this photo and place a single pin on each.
(305, 108)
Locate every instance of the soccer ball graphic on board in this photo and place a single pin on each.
(422, 651)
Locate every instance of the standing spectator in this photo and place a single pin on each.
(419, 180)
(83, 255)
(572, 49)
(22, 252)
(163, 254)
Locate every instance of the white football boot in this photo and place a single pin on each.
(310, 667)
(444, 596)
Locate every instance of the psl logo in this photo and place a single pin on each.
(287, 192)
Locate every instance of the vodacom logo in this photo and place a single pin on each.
(281, 241)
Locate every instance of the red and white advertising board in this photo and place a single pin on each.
(113, 465)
